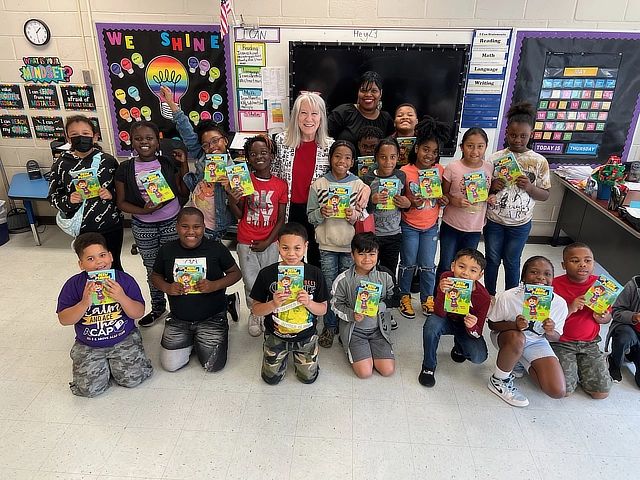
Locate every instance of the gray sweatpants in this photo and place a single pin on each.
(252, 262)
(93, 367)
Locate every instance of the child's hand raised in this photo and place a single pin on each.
(167, 97)
(104, 194)
(549, 326)
(470, 320)
(521, 322)
(401, 201)
(577, 304)
(358, 317)
(179, 155)
(445, 284)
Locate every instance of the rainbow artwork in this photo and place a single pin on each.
(165, 70)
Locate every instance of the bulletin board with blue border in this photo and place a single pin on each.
(585, 87)
(192, 60)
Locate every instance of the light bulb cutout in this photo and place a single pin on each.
(137, 59)
(205, 116)
(214, 74)
(120, 95)
(194, 116)
(204, 67)
(216, 100)
(125, 115)
(167, 71)
(127, 65)
(134, 93)
(203, 97)
(135, 113)
(193, 63)
(124, 136)
(218, 117)
(146, 113)
(116, 70)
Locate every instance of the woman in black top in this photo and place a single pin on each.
(101, 214)
(345, 120)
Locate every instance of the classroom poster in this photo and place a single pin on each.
(10, 97)
(193, 61)
(42, 97)
(78, 97)
(48, 128)
(15, 126)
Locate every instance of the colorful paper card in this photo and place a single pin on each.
(366, 164)
(338, 200)
(602, 294)
(156, 186)
(215, 167)
(368, 298)
(458, 298)
(507, 168)
(290, 280)
(99, 280)
(430, 183)
(188, 275)
(391, 186)
(537, 302)
(476, 186)
(86, 182)
(406, 145)
(239, 177)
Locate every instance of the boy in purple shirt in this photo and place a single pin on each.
(107, 340)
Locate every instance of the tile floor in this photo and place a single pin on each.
(231, 424)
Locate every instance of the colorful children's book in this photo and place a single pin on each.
(476, 186)
(86, 182)
(406, 145)
(602, 294)
(458, 298)
(339, 200)
(156, 186)
(290, 280)
(188, 275)
(239, 177)
(368, 298)
(392, 187)
(215, 167)
(99, 279)
(537, 302)
(366, 164)
(430, 183)
(507, 168)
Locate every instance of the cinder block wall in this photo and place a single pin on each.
(73, 40)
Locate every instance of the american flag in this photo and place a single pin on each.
(225, 10)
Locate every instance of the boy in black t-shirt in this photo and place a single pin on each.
(198, 317)
(290, 323)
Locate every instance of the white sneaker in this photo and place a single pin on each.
(507, 391)
(518, 370)
(256, 325)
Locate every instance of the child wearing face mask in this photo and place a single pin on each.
(101, 213)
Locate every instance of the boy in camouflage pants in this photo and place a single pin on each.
(108, 343)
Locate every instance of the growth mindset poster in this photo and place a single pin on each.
(192, 61)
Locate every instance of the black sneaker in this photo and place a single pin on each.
(614, 370)
(233, 305)
(427, 377)
(456, 356)
(149, 319)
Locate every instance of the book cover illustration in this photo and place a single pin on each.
(99, 279)
(290, 280)
(475, 184)
(537, 302)
(215, 167)
(338, 200)
(86, 182)
(239, 177)
(430, 183)
(507, 168)
(366, 164)
(391, 186)
(188, 275)
(458, 298)
(156, 186)
(602, 294)
(406, 145)
(368, 298)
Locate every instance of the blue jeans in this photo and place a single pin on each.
(473, 349)
(502, 243)
(452, 240)
(333, 264)
(418, 251)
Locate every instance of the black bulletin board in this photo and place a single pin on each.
(430, 77)
(598, 72)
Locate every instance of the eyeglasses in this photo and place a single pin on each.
(211, 143)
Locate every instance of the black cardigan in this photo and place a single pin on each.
(126, 174)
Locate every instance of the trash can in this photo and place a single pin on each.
(4, 228)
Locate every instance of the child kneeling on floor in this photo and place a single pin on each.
(108, 343)
(365, 338)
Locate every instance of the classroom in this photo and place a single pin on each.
(489, 330)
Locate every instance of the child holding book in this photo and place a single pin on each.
(468, 343)
(100, 214)
(152, 224)
(577, 349)
(198, 319)
(625, 330)
(420, 223)
(385, 204)
(290, 320)
(334, 230)
(365, 337)
(108, 344)
(261, 215)
(527, 341)
(462, 220)
(509, 218)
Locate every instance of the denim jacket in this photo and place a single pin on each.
(223, 216)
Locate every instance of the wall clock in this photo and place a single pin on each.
(37, 32)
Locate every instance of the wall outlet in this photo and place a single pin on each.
(87, 77)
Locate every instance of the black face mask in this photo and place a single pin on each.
(82, 143)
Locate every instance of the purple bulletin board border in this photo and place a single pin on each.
(100, 27)
(522, 34)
